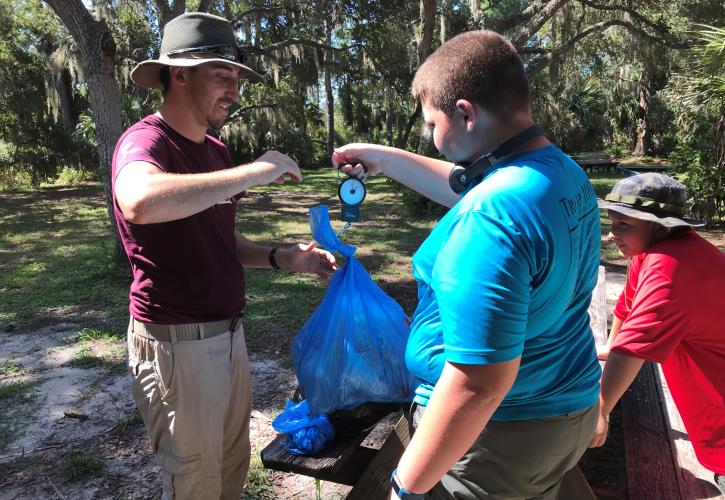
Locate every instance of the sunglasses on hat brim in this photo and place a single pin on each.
(230, 53)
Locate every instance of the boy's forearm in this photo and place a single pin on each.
(462, 403)
(620, 371)
(616, 325)
(427, 176)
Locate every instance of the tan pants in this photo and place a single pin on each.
(195, 399)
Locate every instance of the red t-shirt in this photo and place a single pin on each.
(187, 270)
(673, 309)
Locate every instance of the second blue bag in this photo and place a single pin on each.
(352, 349)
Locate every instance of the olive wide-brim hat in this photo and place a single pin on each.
(189, 40)
(650, 196)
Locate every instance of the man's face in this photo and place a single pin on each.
(632, 236)
(213, 88)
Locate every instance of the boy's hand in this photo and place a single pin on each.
(600, 434)
(603, 353)
(351, 158)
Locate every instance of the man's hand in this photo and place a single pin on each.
(303, 258)
(275, 166)
(600, 434)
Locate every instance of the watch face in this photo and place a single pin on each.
(352, 191)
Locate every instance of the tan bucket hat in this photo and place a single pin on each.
(189, 40)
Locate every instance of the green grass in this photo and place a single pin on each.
(603, 186)
(17, 395)
(127, 422)
(7, 367)
(55, 258)
(78, 464)
(100, 349)
(259, 483)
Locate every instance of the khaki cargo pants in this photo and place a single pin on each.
(195, 399)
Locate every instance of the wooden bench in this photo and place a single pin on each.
(660, 459)
(345, 461)
(596, 163)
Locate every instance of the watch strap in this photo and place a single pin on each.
(401, 492)
(273, 259)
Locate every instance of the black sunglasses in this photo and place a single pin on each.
(230, 53)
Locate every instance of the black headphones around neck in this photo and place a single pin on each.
(462, 174)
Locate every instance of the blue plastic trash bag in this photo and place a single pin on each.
(305, 435)
(352, 349)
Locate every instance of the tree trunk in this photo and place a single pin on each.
(389, 110)
(425, 41)
(330, 101)
(643, 144)
(329, 97)
(427, 26)
(64, 88)
(402, 141)
(167, 13)
(97, 55)
(445, 11)
(476, 14)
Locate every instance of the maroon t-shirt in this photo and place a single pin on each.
(187, 270)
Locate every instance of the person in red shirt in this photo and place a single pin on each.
(670, 311)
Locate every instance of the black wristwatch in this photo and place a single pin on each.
(401, 492)
(272, 259)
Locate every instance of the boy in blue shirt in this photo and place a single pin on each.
(500, 338)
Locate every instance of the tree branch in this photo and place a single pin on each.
(550, 53)
(261, 10)
(245, 109)
(204, 5)
(269, 49)
(518, 19)
(662, 28)
(545, 13)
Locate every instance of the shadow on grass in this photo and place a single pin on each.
(55, 262)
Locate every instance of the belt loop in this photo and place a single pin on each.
(235, 322)
(172, 334)
(202, 331)
(131, 325)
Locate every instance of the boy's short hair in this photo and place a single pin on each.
(479, 66)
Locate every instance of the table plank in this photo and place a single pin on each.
(694, 480)
(651, 470)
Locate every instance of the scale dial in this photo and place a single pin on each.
(352, 191)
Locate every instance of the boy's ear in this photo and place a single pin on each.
(468, 111)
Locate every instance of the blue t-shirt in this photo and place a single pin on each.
(510, 271)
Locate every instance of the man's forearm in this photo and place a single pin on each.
(154, 196)
(253, 254)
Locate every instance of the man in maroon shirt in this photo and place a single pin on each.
(175, 191)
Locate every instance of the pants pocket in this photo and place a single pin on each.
(164, 367)
(181, 477)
